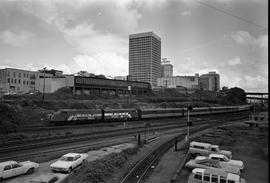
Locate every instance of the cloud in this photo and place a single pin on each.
(234, 61)
(189, 66)
(245, 38)
(90, 41)
(186, 13)
(16, 38)
(106, 62)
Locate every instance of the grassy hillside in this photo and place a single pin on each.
(32, 110)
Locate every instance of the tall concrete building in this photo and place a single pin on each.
(145, 57)
(210, 81)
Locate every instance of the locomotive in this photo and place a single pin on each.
(84, 116)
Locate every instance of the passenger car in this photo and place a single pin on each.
(200, 175)
(68, 162)
(47, 178)
(222, 158)
(211, 164)
(12, 168)
(204, 149)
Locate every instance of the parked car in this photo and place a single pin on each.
(200, 175)
(68, 162)
(235, 163)
(204, 149)
(211, 164)
(12, 168)
(48, 178)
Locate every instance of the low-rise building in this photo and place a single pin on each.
(19, 81)
(189, 82)
(210, 82)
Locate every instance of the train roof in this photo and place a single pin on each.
(159, 109)
(74, 110)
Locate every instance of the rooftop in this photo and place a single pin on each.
(144, 34)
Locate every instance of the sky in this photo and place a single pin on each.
(197, 36)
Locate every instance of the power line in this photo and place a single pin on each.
(230, 14)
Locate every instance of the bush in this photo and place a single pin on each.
(9, 118)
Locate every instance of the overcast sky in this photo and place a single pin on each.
(198, 36)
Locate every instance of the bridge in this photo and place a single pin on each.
(257, 96)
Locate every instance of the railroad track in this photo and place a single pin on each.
(30, 143)
(140, 171)
(11, 152)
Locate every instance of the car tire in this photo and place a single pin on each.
(30, 170)
(1, 179)
(69, 170)
(83, 162)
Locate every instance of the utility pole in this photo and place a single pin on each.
(43, 83)
(189, 108)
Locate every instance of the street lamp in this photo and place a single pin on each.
(43, 83)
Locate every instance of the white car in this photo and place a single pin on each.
(222, 158)
(12, 168)
(68, 162)
(207, 163)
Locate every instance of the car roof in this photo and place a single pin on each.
(6, 163)
(213, 161)
(71, 154)
(217, 155)
(44, 177)
(199, 143)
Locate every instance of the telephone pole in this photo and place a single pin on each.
(43, 83)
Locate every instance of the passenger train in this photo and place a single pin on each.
(82, 116)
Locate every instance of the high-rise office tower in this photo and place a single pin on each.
(145, 57)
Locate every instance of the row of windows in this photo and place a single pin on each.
(213, 178)
(19, 81)
(19, 74)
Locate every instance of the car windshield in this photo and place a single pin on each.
(66, 158)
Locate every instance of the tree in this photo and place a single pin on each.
(234, 96)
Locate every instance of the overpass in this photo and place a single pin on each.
(257, 96)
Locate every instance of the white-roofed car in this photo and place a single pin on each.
(235, 163)
(204, 149)
(68, 162)
(48, 178)
(211, 164)
(200, 175)
(12, 168)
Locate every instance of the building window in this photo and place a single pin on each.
(23, 82)
(19, 75)
(12, 80)
(19, 81)
(14, 74)
(27, 75)
(8, 80)
(15, 81)
(27, 81)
